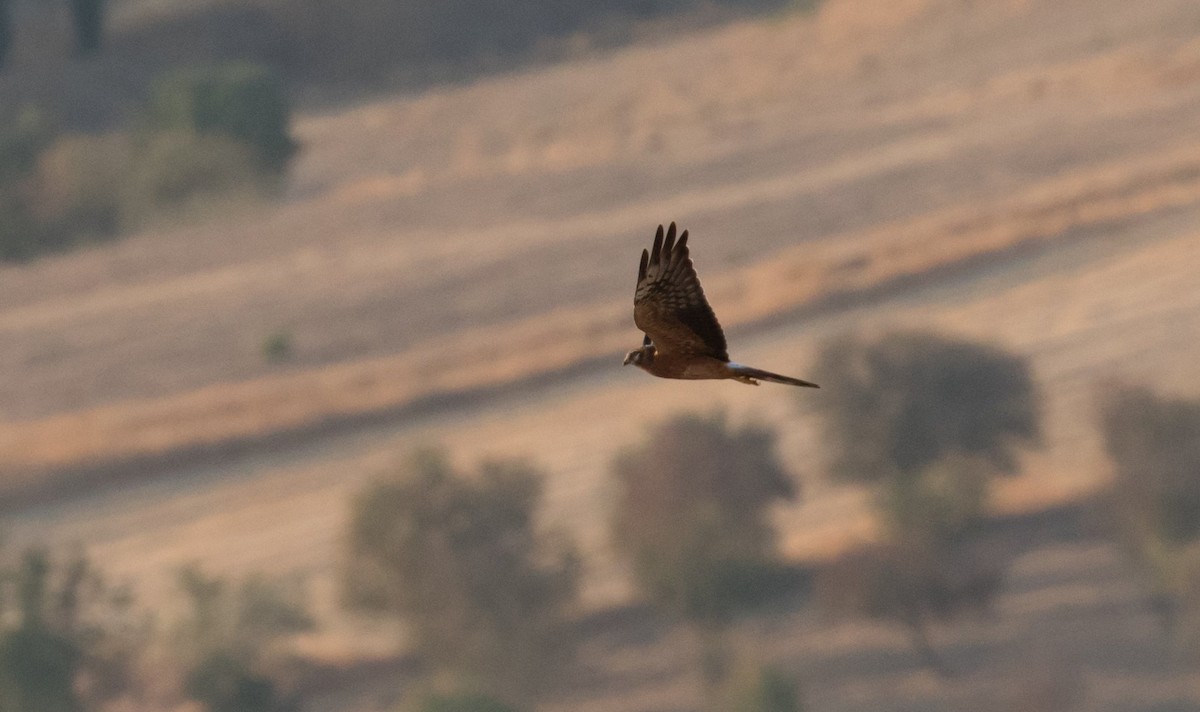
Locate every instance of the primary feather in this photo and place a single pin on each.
(669, 304)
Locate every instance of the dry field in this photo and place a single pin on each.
(456, 267)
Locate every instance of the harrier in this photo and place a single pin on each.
(682, 336)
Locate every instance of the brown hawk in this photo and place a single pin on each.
(682, 336)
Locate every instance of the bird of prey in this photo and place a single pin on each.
(682, 336)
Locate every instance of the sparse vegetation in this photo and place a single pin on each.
(759, 688)
(75, 188)
(224, 683)
(929, 421)
(88, 17)
(803, 5)
(6, 34)
(462, 703)
(942, 505)
(39, 658)
(68, 641)
(911, 398)
(227, 640)
(459, 558)
(425, 35)
(692, 515)
(1069, 598)
(1153, 504)
(692, 520)
(277, 347)
(912, 585)
(212, 136)
(72, 642)
(242, 103)
(22, 140)
(179, 171)
(331, 44)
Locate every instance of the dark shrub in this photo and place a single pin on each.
(37, 670)
(77, 187)
(692, 514)
(462, 703)
(1154, 444)
(930, 421)
(1153, 504)
(243, 102)
(180, 170)
(909, 398)
(6, 34)
(225, 683)
(88, 16)
(759, 688)
(22, 140)
(911, 586)
(460, 559)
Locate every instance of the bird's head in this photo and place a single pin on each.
(640, 357)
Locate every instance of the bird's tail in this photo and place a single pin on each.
(746, 374)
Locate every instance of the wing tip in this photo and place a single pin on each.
(656, 251)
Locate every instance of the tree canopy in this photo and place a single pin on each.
(692, 515)
(907, 399)
(459, 558)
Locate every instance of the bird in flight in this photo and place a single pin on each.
(682, 336)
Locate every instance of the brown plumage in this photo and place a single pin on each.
(682, 336)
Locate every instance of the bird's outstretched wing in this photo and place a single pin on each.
(669, 304)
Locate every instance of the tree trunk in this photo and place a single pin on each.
(715, 657)
(89, 25)
(919, 635)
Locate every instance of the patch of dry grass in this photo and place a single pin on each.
(809, 276)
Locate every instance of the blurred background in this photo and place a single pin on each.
(311, 318)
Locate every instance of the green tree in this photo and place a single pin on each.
(760, 688)
(913, 585)
(224, 682)
(37, 663)
(68, 639)
(1154, 444)
(229, 634)
(245, 620)
(22, 140)
(47, 636)
(910, 398)
(242, 102)
(929, 421)
(1153, 503)
(692, 519)
(462, 703)
(37, 671)
(943, 505)
(75, 190)
(458, 557)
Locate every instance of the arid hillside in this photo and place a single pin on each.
(456, 267)
(812, 157)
